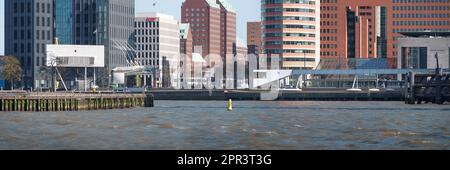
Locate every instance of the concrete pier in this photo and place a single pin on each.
(45, 102)
(427, 88)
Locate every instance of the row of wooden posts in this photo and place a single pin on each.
(42, 103)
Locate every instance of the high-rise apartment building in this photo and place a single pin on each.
(291, 30)
(157, 39)
(254, 41)
(370, 29)
(28, 28)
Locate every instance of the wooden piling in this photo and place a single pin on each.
(45, 102)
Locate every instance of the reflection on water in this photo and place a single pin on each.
(251, 125)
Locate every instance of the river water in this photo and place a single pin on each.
(251, 125)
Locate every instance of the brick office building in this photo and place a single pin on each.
(369, 29)
(212, 24)
(254, 41)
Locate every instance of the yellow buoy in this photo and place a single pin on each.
(230, 105)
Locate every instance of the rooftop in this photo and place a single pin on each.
(154, 14)
(426, 34)
(184, 30)
(212, 3)
(227, 5)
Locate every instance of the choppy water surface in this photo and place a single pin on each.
(251, 125)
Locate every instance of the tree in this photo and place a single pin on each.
(138, 81)
(11, 69)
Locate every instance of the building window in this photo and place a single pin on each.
(77, 18)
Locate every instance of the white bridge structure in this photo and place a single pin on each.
(270, 76)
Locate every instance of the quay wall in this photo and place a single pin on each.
(319, 95)
(44, 102)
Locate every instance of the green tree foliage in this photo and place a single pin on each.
(11, 69)
(138, 81)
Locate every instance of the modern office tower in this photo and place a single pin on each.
(115, 28)
(212, 23)
(254, 41)
(28, 28)
(76, 21)
(370, 29)
(98, 22)
(291, 30)
(157, 40)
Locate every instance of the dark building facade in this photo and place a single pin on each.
(76, 21)
(28, 28)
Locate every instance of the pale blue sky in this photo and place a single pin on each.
(247, 10)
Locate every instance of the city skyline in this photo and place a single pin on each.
(166, 6)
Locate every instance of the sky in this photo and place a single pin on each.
(246, 10)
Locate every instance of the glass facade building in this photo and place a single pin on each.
(98, 22)
(64, 21)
